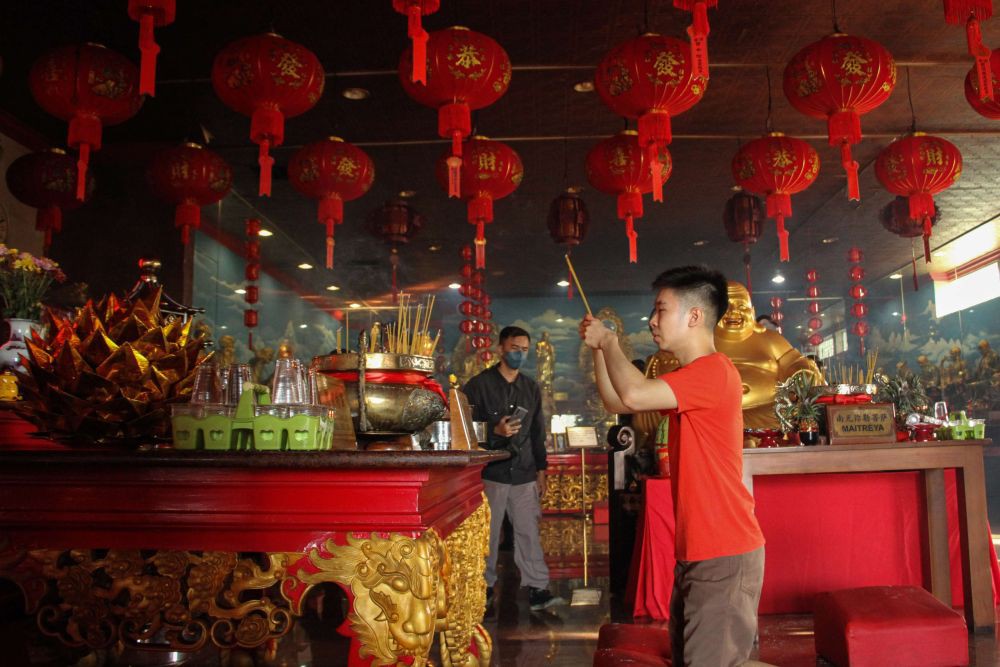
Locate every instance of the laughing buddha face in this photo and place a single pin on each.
(738, 322)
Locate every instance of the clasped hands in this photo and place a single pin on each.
(594, 333)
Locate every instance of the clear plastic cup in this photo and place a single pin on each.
(238, 378)
(207, 388)
(941, 411)
(287, 386)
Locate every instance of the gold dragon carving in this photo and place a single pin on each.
(467, 548)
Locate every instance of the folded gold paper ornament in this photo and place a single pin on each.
(109, 375)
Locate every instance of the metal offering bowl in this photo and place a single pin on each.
(388, 407)
(848, 389)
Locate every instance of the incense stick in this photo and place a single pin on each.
(578, 287)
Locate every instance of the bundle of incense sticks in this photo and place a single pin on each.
(410, 333)
(854, 374)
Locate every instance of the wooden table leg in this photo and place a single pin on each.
(974, 532)
(937, 535)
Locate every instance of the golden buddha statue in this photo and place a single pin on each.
(762, 357)
(227, 351)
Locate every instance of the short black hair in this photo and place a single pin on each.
(698, 282)
(513, 332)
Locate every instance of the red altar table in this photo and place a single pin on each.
(829, 531)
(179, 550)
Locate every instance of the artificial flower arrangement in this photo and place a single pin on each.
(24, 282)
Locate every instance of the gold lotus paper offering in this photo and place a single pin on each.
(110, 374)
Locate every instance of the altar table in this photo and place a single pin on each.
(180, 549)
(827, 531)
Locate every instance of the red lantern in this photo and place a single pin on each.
(812, 275)
(971, 12)
(895, 216)
(568, 222)
(777, 316)
(988, 106)
(861, 329)
(650, 78)
(815, 339)
(777, 302)
(919, 166)
(698, 32)
(252, 295)
(815, 323)
(189, 177)
(150, 14)
(467, 271)
(395, 222)
(332, 171)
(90, 86)
(491, 171)
(466, 308)
(859, 309)
(414, 9)
(477, 279)
(776, 166)
(742, 218)
(839, 78)
(46, 181)
(854, 255)
(467, 253)
(466, 326)
(812, 291)
(858, 291)
(486, 300)
(486, 356)
(813, 308)
(857, 274)
(618, 166)
(466, 70)
(268, 78)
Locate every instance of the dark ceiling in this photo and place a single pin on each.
(553, 44)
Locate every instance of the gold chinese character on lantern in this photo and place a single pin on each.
(853, 63)
(619, 160)
(289, 65)
(487, 161)
(931, 155)
(468, 56)
(781, 158)
(347, 167)
(179, 171)
(665, 63)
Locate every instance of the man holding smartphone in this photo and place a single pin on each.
(511, 404)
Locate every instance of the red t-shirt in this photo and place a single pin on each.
(713, 510)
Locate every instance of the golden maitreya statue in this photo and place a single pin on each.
(762, 357)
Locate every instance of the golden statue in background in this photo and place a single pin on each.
(594, 411)
(227, 351)
(546, 365)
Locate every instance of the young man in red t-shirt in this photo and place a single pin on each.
(718, 543)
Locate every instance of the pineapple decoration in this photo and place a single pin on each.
(796, 407)
(109, 375)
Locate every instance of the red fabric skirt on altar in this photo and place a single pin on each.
(824, 532)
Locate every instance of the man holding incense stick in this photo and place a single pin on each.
(511, 404)
(718, 543)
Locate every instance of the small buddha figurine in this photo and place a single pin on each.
(989, 362)
(286, 350)
(930, 377)
(762, 357)
(227, 351)
(262, 356)
(546, 364)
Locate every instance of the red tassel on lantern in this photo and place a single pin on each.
(414, 10)
(698, 32)
(150, 14)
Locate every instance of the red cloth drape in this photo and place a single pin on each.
(824, 532)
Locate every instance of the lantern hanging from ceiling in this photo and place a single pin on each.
(466, 70)
(396, 222)
(491, 170)
(984, 107)
(812, 292)
(90, 86)
(742, 219)
(919, 166)
(698, 32)
(858, 292)
(971, 12)
(776, 315)
(895, 217)
(839, 78)
(777, 167)
(270, 79)
(414, 10)
(47, 181)
(252, 295)
(650, 78)
(568, 222)
(332, 171)
(150, 14)
(189, 177)
(618, 166)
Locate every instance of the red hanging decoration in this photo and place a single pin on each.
(742, 220)
(332, 171)
(618, 166)
(650, 78)
(970, 13)
(568, 222)
(189, 177)
(270, 79)
(812, 291)
(989, 107)
(252, 295)
(414, 10)
(698, 31)
(858, 292)
(839, 78)
(47, 181)
(776, 315)
(492, 170)
(90, 86)
(150, 14)
(895, 217)
(777, 167)
(395, 222)
(466, 70)
(919, 166)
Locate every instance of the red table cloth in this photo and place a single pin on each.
(824, 532)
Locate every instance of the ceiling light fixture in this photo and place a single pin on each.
(355, 305)
(584, 87)
(407, 194)
(223, 327)
(305, 266)
(559, 319)
(303, 326)
(332, 288)
(563, 283)
(356, 94)
(798, 326)
(433, 248)
(265, 233)
(453, 285)
(644, 318)
(240, 291)
(700, 243)
(896, 276)
(895, 314)
(832, 239)
(778, 278)
(574, 189)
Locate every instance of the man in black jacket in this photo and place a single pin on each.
(511, 404)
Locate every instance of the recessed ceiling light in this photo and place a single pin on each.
(223, 327)
(303, 326)
(574, 189)
(453, 285)
(559, 319)
(832, 239)
(644, 318)
(778, 279)
(407, 194)
(700, 243)
(433, 248)
(355, 305)
(240, 291)
(584, 87)
(265, 233)
(332, 288)
(798, 326)
(736, 188)
(563, 283)
(356, 93)
(305, 266)
(896, 276)
(895, 314)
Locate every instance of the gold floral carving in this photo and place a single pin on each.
(398, 592)
(466, 548)
(562, 540)
(562, 491)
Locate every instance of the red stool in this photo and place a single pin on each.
(877, 626)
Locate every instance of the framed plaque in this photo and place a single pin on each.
(581, 437)
(861, 424)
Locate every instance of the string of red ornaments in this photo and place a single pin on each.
(815, 320)
(777, 316)
(252, 275)
(859, 309)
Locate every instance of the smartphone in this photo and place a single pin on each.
(519, 414)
